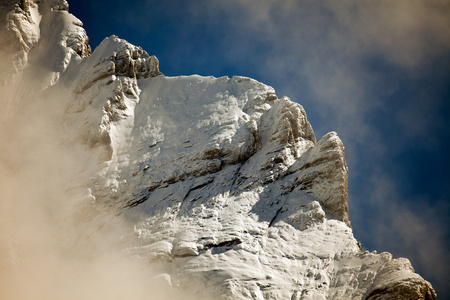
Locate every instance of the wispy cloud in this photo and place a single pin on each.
(413, 228)
(331, 43)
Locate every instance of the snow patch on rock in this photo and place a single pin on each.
(223, 183)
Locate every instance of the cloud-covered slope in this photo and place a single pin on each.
(220, 186)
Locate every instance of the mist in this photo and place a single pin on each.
(56, 242)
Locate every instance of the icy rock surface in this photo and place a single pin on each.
(225, 184)
(38, 40)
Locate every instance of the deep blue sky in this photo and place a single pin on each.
(376, 73)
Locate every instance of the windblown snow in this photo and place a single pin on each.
(219, 185)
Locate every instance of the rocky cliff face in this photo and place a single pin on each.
(228, 190)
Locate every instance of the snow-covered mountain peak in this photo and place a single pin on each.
(222, 187)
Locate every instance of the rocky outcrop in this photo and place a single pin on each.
(354, 278)
(78, 41)
(33, 32)
(126, 60)
(397, 280)
(323, 173)
(19, 34)
(111, 83)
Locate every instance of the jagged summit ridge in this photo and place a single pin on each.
(111, 78)
(234, 196)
